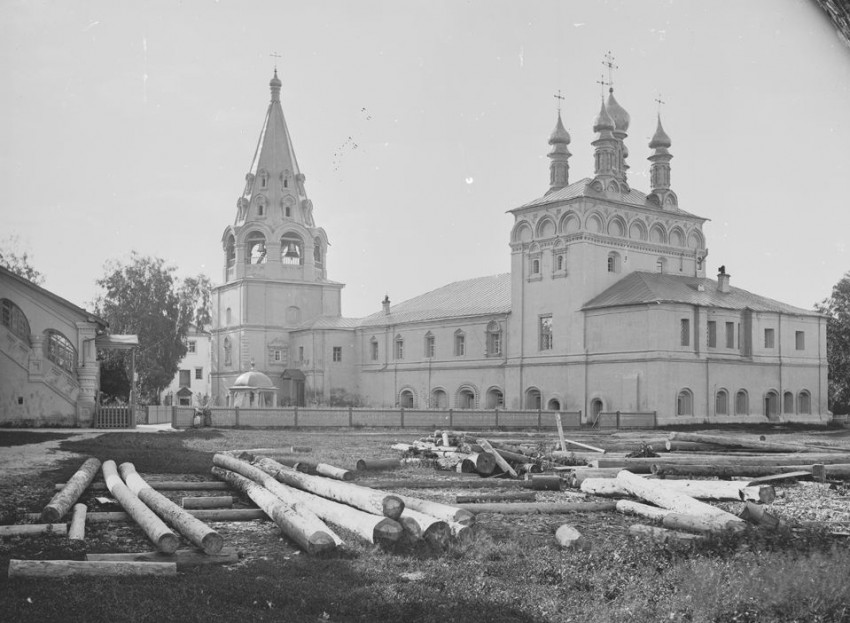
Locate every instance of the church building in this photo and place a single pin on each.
(607, 307)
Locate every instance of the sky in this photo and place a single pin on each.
(129, 126)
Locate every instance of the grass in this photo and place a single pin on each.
(510, 571)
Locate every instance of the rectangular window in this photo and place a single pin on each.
(192, 346)
(768, 338)
(399, 349)
(800, 337)
(337, 354)
(375, 350)
(685, 330)
(460, 344)
(545, 332)
(199, 374)
(430, 346)
(712, 334)
(494, 343)
(185, 378)
(277, 355)
(730, 335)
(301, 353)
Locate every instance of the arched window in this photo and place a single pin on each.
(533, 399)
(460, 343)
(771, 404)
(466, 398)
(554, 404)
(595, 409)
(788, 402)
(560, 263)
(430, 345)
(804, 402)
(406, 399)
(742, 403)
(373, 348)
(494, 339)
(613, 262)
(439, 399)
(13, 318)
(685, 403)
(495, 398)
(285, 178)
(230, 252)
(60, 351)
(721, 402)
(291, 249)
(535, 267)
(261, 206)
(318, 260)
(264, 179)
(399, 347)
(255, 243)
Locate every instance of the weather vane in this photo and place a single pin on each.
(560, 99)
(609, 63)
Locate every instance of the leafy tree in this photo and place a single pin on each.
(17, 261)
(837, 310)
(195, 301)
(141, 298)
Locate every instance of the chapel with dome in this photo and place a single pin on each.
(607, 306)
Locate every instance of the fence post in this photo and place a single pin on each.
(539, 419)
(451, 418)
(618, 419)
(497, 416)
(350, 417)
(236, 422)
(296, 416)
(402, 417)
(655, 419)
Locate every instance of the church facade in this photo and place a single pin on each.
(607, 306)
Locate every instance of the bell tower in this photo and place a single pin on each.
(274, 268)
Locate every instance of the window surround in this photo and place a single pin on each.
(544, 332)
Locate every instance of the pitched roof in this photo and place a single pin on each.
(329, 322)
(472, 297)
(89, 317)
(639, 288)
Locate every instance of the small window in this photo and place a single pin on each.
(804, 402)
(374, 348)
(61, 352)
(768, 338)
(277, 354)
(685, 331)
(721, 403)
(199, 374)
(227, 347)
(742, 403)
(613, 262)
(545, 332)
(560, 264)
(535, 267)
(712, 334)
(494, 339)
(430, 345)
(230, 251)
(185, 378)
(301, 354)
(685, 403)
(337, 353)
(800, 337)
(730, 335)
(659, 265)
(228, 316)
(192, 346)
(399, 347)
(460, 343)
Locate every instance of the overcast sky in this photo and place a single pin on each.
(130, 126)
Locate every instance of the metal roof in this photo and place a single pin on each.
(640, 288)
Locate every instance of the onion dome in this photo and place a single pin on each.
(254, 380)
(603, 120)
(275, 82)
(559, 134)
(660, 138)
(618, 113)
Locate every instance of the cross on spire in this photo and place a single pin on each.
(660, 102)
(609, 63)
(276, 56)
(560, 99)
(601, 82)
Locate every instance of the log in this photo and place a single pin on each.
(663, 535)
(337, 473)
(482, 463)
(728, 471)
(310, 533)
(502, 463)
(578, 476)
(217, 501)
(167, 485)
(543, 482)
(71, 492)
(26, 529)
(445, 512)
(560, 432)
(581, 445)
(503, 496)
(77, 531)
(750, 444)
(300, 449)
(208, 514)
(755, 513)
(195, 530)
(423, 526)
(471, 483)
(723, 459)
(159, 534)
(377, 464)
(674, 445)
(183, 558)
(701, 523)
(65, 568)
(650, 491)
(819, 472)
(801, 475)
(539, 508)
(364, 498)
(568, 537)
(700, 489)
(629, 507)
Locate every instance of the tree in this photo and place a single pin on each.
(18, 261)
(195, 300)
(837, 310)
(141, 298)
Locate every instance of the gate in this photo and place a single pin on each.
(120, 416)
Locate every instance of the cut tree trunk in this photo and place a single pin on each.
(309, 532)
(701, 523)
(650, 491)
(503, 496)
(195, 530)
(663, 535)
(721, 490)
(570, 538)
(755, 513)
(502, 463)
(423, 526)
(217, 501)
(159, 534)
(723, 459)
(539, 508)
(183, 558)
(483, 463)
(71, 492)
(364, 498)
(331, 471)
(66, 568)
(77, 531)
(205, 514)
(377, 464)
(167, 485)
(543, 482)
(750, 444)
(630, 507)
(466, 483)
(59, 529)
(727, 471)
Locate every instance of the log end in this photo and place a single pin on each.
(438, 534)
(212, 543)
(320, 542)
(387, 532)
(411, 527)
(361, 466)
(51, 514)
(464, 517)
(393, 507)
(168, 543)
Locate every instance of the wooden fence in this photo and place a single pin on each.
(120, 416)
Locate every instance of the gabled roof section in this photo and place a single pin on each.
(329, 322)
(472, 297)
(87, 316)
(641, 288)
(582, 188)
